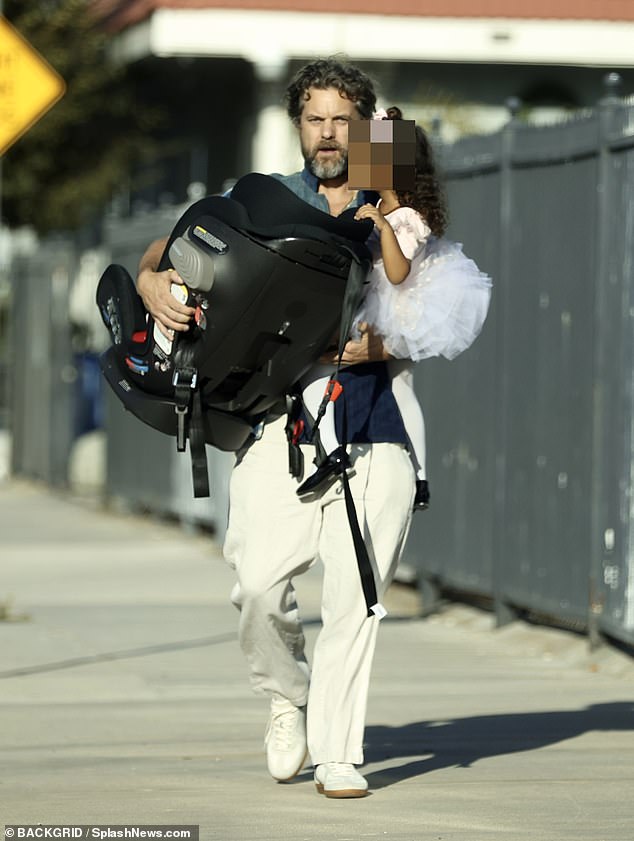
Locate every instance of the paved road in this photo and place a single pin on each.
(123, 699)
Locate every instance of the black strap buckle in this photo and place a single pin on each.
(185, 378)
(184, 382)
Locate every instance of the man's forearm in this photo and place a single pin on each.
(152, 256)
(154, 288)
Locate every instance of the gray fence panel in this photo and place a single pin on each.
(530, 434)
(42, 371)
(145, 472)
(613, 584)
(454, 540)
(544, 561)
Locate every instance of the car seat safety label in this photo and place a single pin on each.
(181, 293)
(212, 241)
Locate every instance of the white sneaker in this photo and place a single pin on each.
(285, 739)
(340, 779)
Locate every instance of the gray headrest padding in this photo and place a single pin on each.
(195, 266)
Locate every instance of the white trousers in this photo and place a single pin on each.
(274, 535)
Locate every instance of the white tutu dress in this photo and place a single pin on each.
(439, 309)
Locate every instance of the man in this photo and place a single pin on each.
(274, 535)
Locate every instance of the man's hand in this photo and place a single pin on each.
(368, 349)
(155, 291)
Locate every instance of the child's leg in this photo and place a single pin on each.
(313, 387)
(401, 371)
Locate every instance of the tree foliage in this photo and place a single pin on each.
(65, 168)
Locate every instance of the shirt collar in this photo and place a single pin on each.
(312, 182)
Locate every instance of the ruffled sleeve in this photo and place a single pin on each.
(411, 232)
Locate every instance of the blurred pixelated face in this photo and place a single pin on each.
(323, 131)
(382, 155)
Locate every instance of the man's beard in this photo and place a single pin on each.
(326, 169)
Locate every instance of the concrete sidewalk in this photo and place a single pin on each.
(124, 700)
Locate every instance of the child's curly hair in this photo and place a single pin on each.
(428, 197)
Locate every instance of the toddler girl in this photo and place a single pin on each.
(425, 298)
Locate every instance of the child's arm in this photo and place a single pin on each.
(396, 265)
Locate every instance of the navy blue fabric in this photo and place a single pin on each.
(367, 412)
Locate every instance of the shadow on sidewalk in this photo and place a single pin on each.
(462, 742)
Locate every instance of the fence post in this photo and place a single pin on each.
(503, 610)
(604, 192)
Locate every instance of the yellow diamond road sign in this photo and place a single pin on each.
(28, 85)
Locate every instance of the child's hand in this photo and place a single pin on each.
(369, 211)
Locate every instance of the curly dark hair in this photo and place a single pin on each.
(428, 197)
(325, 73)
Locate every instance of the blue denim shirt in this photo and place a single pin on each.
(367, 412)
(306, 185)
